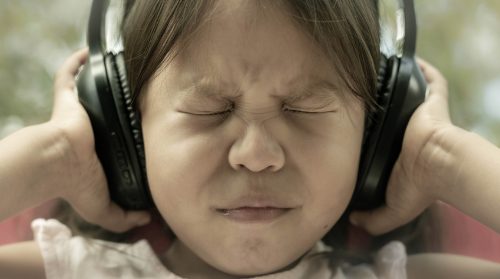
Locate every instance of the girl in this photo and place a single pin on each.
(252, 116)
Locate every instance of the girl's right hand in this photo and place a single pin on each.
(86, 189)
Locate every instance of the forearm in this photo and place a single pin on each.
(34, 166)
(470, 176)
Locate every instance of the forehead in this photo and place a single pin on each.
(243, 44)
(253, 38)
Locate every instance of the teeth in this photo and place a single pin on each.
(224, 211)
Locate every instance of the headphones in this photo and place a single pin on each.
(104, 92)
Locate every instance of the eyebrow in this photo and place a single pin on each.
(317, 90)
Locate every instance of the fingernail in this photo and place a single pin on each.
(354, 221)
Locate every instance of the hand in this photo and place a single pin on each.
(87, 189)
(413, 182)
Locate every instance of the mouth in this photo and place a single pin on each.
(256, 209)
(253, 214)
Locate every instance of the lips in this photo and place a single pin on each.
(260, 202)
(254, 214)
(255, 209)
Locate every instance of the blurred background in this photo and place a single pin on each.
(461, 38)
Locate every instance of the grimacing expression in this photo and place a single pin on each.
(250, 63)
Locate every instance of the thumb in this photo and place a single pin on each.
(92, 201)
(64, 80)
(389, 216)
(119, 220)
(378, 221)
(404, 202)
(110, 215)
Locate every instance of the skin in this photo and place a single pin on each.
(197, 163)
(438, 162)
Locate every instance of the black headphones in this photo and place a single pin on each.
(104, 92)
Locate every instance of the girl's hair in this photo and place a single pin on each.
(155, 31)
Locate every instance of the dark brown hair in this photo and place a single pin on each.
(155, 31)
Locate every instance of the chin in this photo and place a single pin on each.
(255, 257)
(255, 271)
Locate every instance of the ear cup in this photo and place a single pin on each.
(367, 196)
(135, 126)
(372, 112)
(134, 192)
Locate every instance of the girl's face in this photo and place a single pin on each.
(255, 59)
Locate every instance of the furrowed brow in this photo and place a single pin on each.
(318, 91)
(204, 91)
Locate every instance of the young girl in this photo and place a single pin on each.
(253, 121)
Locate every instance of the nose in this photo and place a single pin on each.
(256, 151)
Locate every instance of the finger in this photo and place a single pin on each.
(65, 76)
(64, 83)
(92, 201)
(118, 220)
(431, 74)
(403, 203)
(437, 84)
(378, 221)
(112, 217)
(386, 218)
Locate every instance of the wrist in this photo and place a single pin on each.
(61, 161)
(33, 169)
(442, 158)
(469, 178)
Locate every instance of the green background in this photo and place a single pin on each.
(461, 38)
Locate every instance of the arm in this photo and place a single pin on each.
(32, 169)
(56, 159)
(438, 161)
(447, 266)
(471, 166)
(21, 260)
(29, 162)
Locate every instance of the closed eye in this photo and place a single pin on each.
(287, 110)
(300, 111)
(219, 113)
(222, 115)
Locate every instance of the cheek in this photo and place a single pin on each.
(177, 169)
(181, 162)
(328, 153)
(330, 168)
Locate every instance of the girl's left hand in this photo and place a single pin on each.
(413, 181)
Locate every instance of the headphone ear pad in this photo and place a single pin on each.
(382, 73)
(371, 113)
(135, 124)
(136, 194)
(366, 197)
